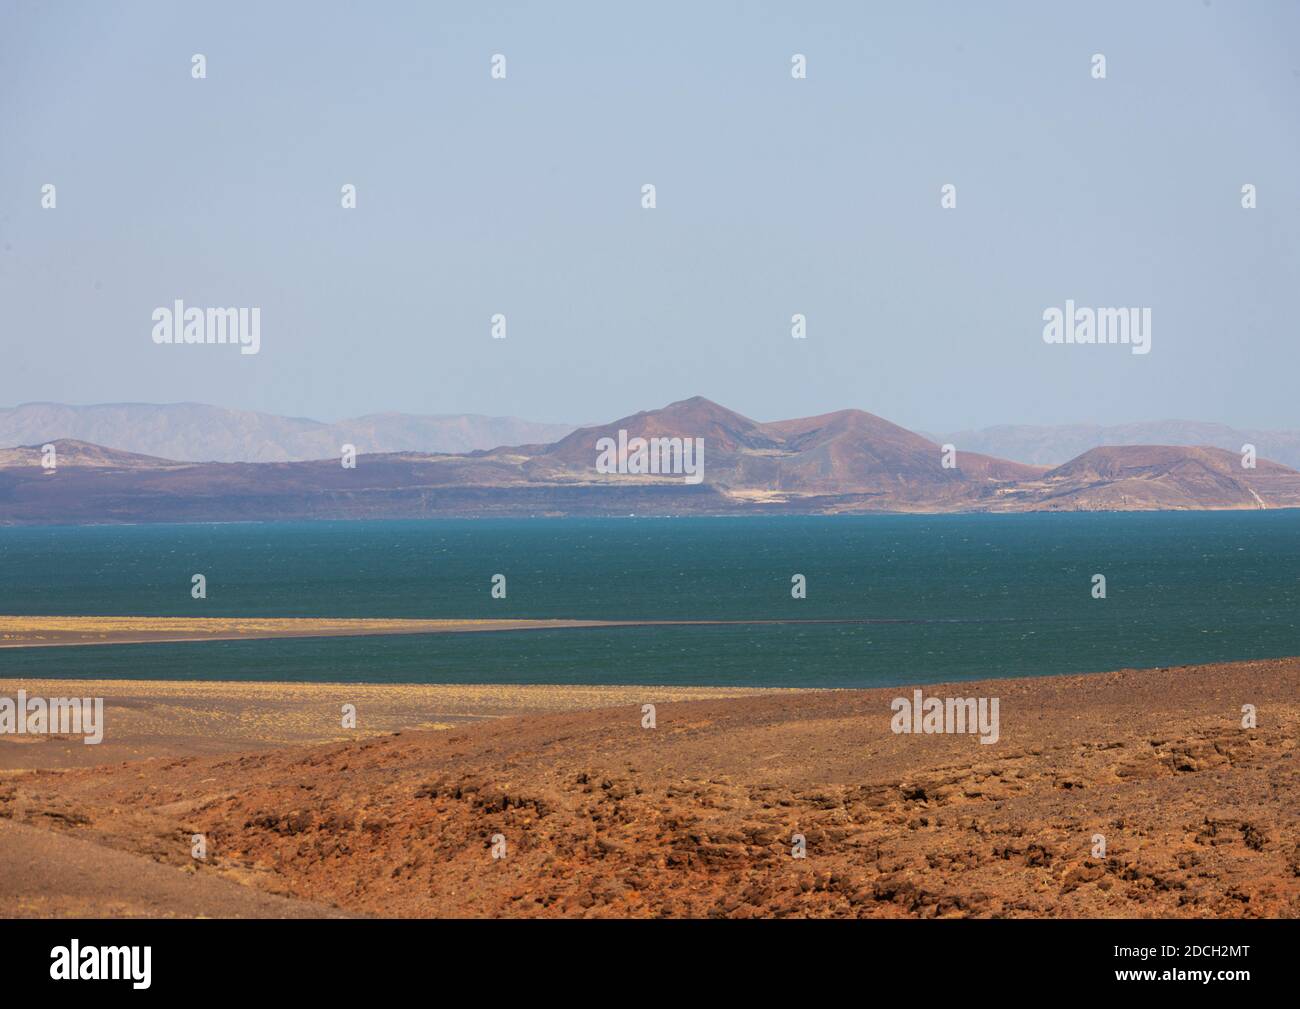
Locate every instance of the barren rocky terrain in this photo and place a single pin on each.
(697, 816)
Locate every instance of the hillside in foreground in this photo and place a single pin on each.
(694, 818)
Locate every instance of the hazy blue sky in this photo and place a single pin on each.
(775, 196)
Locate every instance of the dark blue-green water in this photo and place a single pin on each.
(956, 597)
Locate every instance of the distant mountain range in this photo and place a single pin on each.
(1053, 445)
(193, 432)
(844, 462)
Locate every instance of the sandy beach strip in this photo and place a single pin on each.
(37, 631)
(50, 631)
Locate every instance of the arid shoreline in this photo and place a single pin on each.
(66, 631)
(1124, 794)
(156, 719)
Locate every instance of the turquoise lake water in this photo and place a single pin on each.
(947, 597)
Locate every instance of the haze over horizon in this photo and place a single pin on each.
(597, 421)
(775, 196)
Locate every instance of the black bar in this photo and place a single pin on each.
(955, 959)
